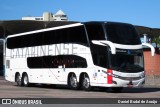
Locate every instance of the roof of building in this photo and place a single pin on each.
(60, 12)
(149, 31)
(21, 26)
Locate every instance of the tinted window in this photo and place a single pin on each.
(70, 61)
(127, 61)
(25, 41)
(99, 53)
(95, 32)
(122, 33)
(67, 35)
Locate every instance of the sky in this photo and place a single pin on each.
(136, 12)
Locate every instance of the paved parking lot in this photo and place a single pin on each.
(11, 90)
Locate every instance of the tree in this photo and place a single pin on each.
(156, 40)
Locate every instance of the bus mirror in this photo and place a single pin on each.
(152, 48)
(104, 43)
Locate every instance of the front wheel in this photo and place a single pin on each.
(86, 83)
(25, 80)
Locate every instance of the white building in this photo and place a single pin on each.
(47, 16)
(60, 16)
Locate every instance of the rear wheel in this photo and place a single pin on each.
(25, 80)
(86, 83)
(72, 82)
(18, 80)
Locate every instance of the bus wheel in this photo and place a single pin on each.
(25, 80)
(86, 83)
(72, 83)
(117, 89)
(18, 80)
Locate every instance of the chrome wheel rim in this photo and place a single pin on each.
(86, 83)
(18, 80)
(73, 81)
(25, 80)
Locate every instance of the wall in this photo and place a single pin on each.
(152, 63)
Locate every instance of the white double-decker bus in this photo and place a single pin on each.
(79, 55)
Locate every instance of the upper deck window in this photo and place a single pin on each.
(75, 34)
(122, 34)
(95, 32)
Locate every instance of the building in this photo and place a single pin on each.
(47, 16)
(151, 63)
(60, 16)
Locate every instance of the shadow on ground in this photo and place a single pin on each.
(96, 89)
(147, 89)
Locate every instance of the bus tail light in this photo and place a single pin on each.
(109, 76)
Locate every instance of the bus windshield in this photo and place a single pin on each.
(122, 33)
(129, 61)
(119, 33)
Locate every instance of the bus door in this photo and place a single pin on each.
(63, 63)
(60, 63)
(54, 68)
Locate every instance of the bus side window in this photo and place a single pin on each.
(95, 32)
(99, 53)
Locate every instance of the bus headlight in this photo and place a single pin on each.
(142, 75)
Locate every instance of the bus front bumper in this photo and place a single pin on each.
(122, 83)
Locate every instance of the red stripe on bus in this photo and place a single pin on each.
(109, 77)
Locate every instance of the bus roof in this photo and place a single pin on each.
(103, 22)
